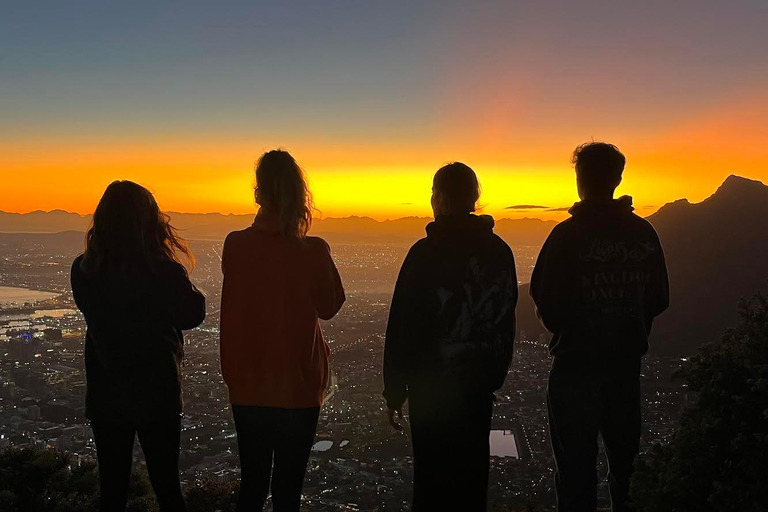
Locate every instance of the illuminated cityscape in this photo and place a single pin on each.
(358, 461)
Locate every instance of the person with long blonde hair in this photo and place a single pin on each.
(277, 283)
(136, 297)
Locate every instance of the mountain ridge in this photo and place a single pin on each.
(215, 226)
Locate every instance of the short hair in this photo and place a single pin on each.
(599, 165)
(458, 187)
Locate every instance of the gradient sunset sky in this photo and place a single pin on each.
(373, 97)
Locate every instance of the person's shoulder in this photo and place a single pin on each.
(564, 227)
(173, 268)
(642, 225)
(238, 235)
(419, 252)
(77, 266)
(317, 244)
(421, 246)
(500, 244)
(564, 232)
(242, 239)
(78, 261)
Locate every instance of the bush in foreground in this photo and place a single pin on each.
(50, 481)
(717, 459)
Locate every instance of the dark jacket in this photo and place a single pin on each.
(134, 344)
(452, 320)
(599, 281)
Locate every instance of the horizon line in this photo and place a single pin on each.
(344, 217)
(562, 210)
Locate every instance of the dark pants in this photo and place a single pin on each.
(160, 441)
(451, 451)
(585, 402)
(262, 432)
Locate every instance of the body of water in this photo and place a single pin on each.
(10, 296)
(322, 446)
(52, 313)
(503, 444)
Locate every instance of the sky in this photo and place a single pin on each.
(373, 97)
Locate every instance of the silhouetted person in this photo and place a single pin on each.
(136, 298)
(449, 344)
(277, 283)
(599, 281)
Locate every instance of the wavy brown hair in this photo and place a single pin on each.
(281, 190)
(129, 234)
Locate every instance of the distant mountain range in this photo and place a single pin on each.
(716, 251)
(215, 226)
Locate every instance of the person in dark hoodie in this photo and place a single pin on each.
(136, 298)
(449, 344)
(599, 282)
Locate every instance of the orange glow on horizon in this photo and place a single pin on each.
(215, 175)
(372, 101)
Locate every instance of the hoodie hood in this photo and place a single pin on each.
(460, 225)
(622, 204)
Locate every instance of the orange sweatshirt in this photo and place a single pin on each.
(272, 348)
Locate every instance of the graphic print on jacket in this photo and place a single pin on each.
(469, 317)
(616, 275)
(452, 320)
(600, 280)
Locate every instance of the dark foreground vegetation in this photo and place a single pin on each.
(48, 481)
(718, 457)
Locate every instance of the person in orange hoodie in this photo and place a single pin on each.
(277, 283)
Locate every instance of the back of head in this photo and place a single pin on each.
(129, 233)
(455, 190)
(598, 166)
(282, 191)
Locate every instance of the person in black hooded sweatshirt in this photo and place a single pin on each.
(136, 298)
(599, 282)
(449, 344)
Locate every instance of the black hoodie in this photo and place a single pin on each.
(134, 344)
(599, 281)
(452, 320)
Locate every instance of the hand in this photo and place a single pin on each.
(391, 413)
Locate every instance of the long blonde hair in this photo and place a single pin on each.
(281, 190)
